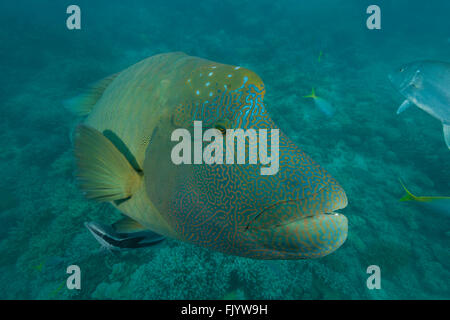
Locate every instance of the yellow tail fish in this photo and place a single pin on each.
(436, 203)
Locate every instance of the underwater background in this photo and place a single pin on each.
(293, 46)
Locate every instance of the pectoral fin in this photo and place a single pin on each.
(405, 105)
(447, 134)
(104, 173)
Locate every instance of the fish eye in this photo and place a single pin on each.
(401, 69)
(221, 129)
(222, 125)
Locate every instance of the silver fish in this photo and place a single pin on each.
(426, 84)
(115, 241)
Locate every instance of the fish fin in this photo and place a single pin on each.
(312, 95)
(113, 240)
(128, 225)
(447, 134)
(83, 103)
(405, 105)
(103, 171)
(408, 195)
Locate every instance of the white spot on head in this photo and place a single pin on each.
(210, 94)
(213, 67)
(210, 74)
(245, 79)
(189, 80)
(225, 86)
(207, 84)
(197, 92)
(230, 75)
(237, 68)
(201, 74)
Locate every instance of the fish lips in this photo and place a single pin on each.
(300, 228)
(283, 212)
(311, 237)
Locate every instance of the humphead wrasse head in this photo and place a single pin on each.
(233, 208)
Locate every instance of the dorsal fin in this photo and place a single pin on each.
(83, 103)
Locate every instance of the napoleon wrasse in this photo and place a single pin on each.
(123, 155)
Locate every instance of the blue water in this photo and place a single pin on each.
(364, 145)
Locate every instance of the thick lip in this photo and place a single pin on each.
(254, 223)
(301, 239)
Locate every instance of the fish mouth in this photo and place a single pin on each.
(300, 228)
(289, 211)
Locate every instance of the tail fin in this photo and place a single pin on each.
(408, 195)
(103, 171)
(312, 95)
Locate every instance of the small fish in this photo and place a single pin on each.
(426, 84)
(112, 240)
(322, 104)
(438, 204)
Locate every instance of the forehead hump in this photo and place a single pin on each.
(212, 90)
(210, 79)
